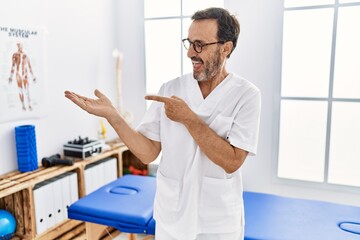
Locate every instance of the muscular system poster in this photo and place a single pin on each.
(22, 81)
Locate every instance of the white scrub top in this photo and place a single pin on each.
(194, 195)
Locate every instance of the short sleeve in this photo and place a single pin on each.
(244, 131)
(150, 124)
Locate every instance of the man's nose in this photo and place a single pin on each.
(191, 52)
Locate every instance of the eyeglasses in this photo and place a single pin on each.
(197, 45)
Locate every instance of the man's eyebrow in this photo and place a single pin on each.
(197, 40)
(193, 40)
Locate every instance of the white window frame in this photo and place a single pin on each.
(325, 185)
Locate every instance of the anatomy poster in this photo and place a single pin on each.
(22, 80)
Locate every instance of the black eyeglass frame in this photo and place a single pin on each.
(197, 44)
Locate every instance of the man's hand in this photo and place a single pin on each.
(101, 106)
(176, 109)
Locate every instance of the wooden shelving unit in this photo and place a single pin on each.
(16, 195)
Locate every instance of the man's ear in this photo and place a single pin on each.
(227, 48)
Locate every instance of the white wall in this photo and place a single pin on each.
(80, 38)
(258, 58)
(129, 34)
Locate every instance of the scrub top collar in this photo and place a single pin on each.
(205, 104)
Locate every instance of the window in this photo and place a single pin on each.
(319, 133)
(166, 23)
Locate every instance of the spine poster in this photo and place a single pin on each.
(22, 80)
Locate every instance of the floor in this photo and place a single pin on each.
(124, 236)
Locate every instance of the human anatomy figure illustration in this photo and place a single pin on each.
(22, 68)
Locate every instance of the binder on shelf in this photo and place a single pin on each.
(95, 181)
(74, 190)
(49, 204)
(98, 174)
(39, 206)
(57, 199)
(110, 170)
(66, 194)
(89, 179)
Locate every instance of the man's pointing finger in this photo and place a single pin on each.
(158, 98)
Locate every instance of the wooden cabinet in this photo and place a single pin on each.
(17, 196)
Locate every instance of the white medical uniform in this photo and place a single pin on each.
(194, 195)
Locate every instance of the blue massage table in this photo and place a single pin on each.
(271, 217)
(127, 205)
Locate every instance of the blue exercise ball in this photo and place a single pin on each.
(7, 224)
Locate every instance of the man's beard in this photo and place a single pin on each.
(211, 68)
